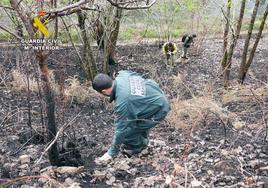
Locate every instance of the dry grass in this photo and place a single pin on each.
(194, 111)
(73, 91)
(190, 113)
(244, 94)
(77, 91)
(19, 82)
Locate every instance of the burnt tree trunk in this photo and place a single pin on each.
(228, 63)
(226, 32)
(110, 37)
(246, 64)
(48, 92)
(247, 41)
(50, 108)
(88, 63)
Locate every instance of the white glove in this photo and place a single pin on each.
(104, 159)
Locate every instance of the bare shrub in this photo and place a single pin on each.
(79, 92)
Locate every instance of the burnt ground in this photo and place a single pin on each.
(207, 151)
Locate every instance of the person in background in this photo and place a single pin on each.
(169, 49)
(139, 105)
(187, 41)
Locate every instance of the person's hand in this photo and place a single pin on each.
(104, 159)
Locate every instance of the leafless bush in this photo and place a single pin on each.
(79, 92)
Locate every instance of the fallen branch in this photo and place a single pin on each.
(127, 7)
(10, 182)
(69, 7)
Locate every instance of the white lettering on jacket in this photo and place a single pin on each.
(137, 86)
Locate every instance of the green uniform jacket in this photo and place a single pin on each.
(139, 105)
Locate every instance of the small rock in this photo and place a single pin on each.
(225, 152)
(158, 143)
(249, 147)
(137, 182)
(69, 170)
(169, 179)
(13, 138)
(24, 159)
(24, 166)
(263, 179)
(36, 169)
(111, 180)
(262, 155)
(47, 171)
(264, 168)
(111, 170)
(25, 186)
(193, 156)
(222, 184)
(1, 159)
(100, 175)
(69, 181)
(145, 152)
(260, 184)
(238, 150)
(209, 160)
(196, 183)
(133, 171)
(75, 185)
(210, 172)
(150, 181)
(254, 163)
(23, 173)
(122, 166)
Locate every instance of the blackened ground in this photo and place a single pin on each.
(214, 153)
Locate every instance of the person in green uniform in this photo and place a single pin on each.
(139, 105)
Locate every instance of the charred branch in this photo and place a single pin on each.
(131, 5)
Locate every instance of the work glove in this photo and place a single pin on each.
(104, 159)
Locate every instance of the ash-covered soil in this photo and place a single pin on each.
(208, 150)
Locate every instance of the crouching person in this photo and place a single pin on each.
(187, 40)
(139, 105)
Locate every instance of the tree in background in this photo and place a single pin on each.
(88, 61)
(226, 30)
(226, 61)
(247, 61)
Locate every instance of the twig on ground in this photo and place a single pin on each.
(12, 181)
